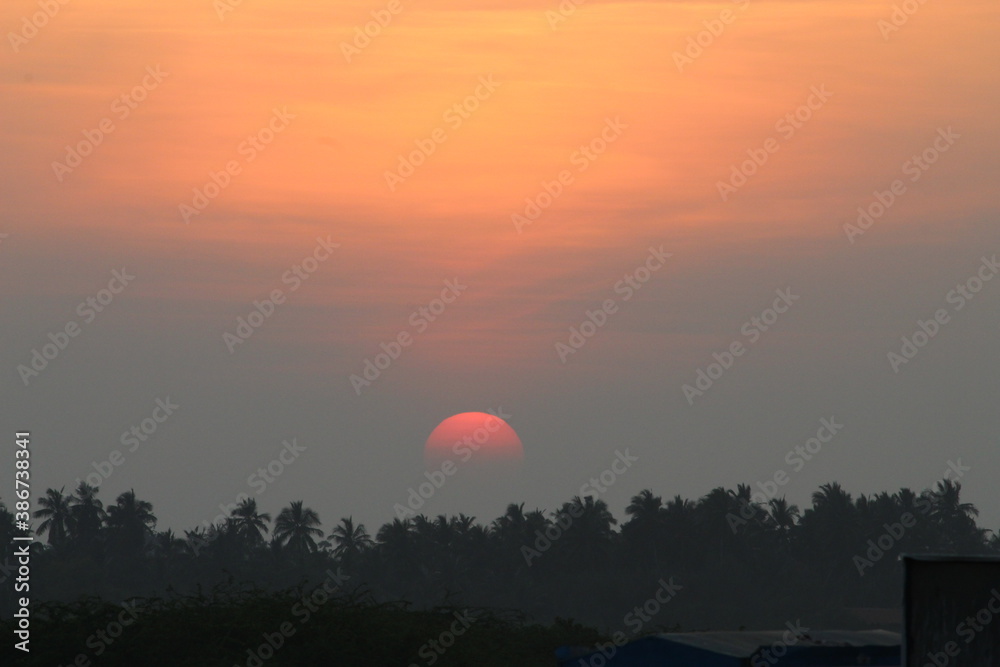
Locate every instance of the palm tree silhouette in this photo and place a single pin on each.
(587, 539)
(645, 507)
(130, 521)
(645, 527)
(947, 501)
(296, 529)
(956, 520)
(250, 525)
(129, 534)
(55, 509)
(831, 497)
(87, 515)
(782, 514)
(512, 528)
(719, 516)
(352, 541)
(396, 549)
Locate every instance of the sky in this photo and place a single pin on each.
(668, 242)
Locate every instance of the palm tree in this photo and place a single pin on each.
(87, 514)
(511, 527)
(832, 498)
(469, 535)
(719, 516)
(746, 506)
(395, 540)
(351, 541)
(955, 519)
(947, 501)
(168, 551)
(645, 507)
(589, 531)
(644, 529)
(680, 523)
(250, 525)
(832, 520)
(832, 531)
(226, 544)
(397, 550)
(442, 531)
(195, 541)
(783, 515)
(56, 512)
(130, 521)
(296, 529)
(680, 507)
(513, 532)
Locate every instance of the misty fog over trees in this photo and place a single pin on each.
(737, 563)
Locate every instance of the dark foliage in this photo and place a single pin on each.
(743, 560)
(232, 626)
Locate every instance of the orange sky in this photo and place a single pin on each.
(324, 174)
(557, 87)
(326, 171)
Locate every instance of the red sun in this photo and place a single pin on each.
(472, 437)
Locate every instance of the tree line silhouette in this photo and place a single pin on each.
(740, 562)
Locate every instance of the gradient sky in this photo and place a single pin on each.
(494, 346)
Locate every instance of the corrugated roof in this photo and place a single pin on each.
(745, 644)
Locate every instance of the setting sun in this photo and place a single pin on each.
(473, 437)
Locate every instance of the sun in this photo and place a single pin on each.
(473, 437)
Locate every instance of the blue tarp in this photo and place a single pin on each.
(744, 649)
